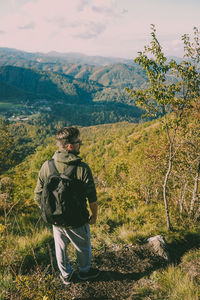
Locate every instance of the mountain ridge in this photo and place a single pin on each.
(81, 102)
(70, 57)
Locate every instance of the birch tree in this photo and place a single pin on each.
(172, 87)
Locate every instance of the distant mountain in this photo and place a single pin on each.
(101, 84)
(115, 76)
(64, 97)
(18, 57)
(84, 89)
(79, 58)
(111, 72)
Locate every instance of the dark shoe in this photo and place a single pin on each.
(92, 273)
(66, 280)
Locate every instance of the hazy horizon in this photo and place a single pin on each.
(77, 53)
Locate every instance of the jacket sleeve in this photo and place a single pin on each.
(89, 185)
(40, 183)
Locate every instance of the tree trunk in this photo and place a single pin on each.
(195, 189)
(169, 226)
(170, 160)
(182, 198)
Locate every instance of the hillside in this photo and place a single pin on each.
(118, 72)
(77, 89)
(47, 84)
(111, 72)
(128, 162)
(12, 93)
(63, 97)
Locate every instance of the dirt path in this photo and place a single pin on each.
(120, 271)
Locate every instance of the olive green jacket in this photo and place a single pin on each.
(83, 173)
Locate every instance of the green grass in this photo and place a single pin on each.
(172, 283)
(191, 255)
(27, 258)
(7, 285)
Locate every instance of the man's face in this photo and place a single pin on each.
(74, 146)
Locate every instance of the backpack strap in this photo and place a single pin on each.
(69, 170)
(52, 167)
(53, 170)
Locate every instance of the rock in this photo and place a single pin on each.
(159, 246)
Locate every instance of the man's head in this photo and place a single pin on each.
(68, 139)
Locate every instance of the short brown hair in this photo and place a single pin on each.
(67, 135)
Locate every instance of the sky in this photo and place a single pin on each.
(118, 28)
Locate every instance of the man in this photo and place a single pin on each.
(69, 143)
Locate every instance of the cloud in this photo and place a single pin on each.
(61, 25)
(99, 27)
(103, 9)
(174, 46)
(82, 4)
(124, 11)
(62, 22)
(89, 18)
(91, 30)
(27, 26)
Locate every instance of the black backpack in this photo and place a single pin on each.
(62, 201)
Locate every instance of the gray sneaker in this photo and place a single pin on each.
(66, 280)
(92, 273)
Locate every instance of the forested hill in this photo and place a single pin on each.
(76, 80)
(106, 71)
(48, 85)
(26, 92)
(76, 88)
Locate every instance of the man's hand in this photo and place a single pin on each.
(92, 220)
(93, 208)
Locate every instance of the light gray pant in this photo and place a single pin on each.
(80, 238)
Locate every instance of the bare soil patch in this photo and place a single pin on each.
(121, 268)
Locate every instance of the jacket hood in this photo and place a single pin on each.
(65, 157)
